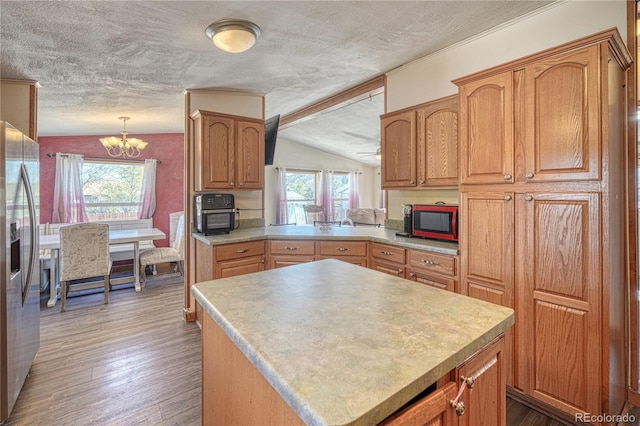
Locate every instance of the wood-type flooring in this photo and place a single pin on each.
(131, 362)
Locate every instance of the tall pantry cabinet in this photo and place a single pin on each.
(542, 146)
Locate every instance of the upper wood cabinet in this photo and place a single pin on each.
(438, 143)
(398, 148)
(549, 111)
(229, 151)
(420, 145)
(562, 117)
(486, 130)
(19, 105)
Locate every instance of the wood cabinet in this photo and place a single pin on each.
(437, 147)
(290, 252)
(388, 259)
(398, 147)
(237, 259)
(229, 151)
(551, 241)
(420, 145)
(348, 251)
(434, 269)
(19, 105)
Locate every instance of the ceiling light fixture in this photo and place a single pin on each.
(123, 146)
(233, 35)
(378, 154)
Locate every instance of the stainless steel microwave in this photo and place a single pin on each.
(214, 213)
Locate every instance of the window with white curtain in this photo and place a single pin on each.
(112, 189)
(302, 189)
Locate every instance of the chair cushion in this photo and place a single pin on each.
(362, 215)
(159, 255)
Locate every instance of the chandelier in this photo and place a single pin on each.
(123, 146)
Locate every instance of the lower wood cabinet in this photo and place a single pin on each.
(388, 259)
(434, 269)
(236, 259)
(290, 252)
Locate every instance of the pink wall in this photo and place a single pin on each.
(166, 147)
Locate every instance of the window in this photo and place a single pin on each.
(303, 189)
(112, 189)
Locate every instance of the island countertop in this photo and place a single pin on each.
(365, 233)
(343, 344)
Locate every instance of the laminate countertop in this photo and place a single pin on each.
(306, 232)
(346, 345)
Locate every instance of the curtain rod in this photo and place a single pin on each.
(115, 160)
(302, 169)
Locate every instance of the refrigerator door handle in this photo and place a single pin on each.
(32, 219)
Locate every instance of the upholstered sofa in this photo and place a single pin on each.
(365, 216)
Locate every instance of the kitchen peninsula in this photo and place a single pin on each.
(328, 342)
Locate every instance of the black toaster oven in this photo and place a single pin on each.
(214, 213)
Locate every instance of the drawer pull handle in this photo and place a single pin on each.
(386, 253)
(342, 249)
(242, 251)
(429, 262)
(291, 248)
(468, 382)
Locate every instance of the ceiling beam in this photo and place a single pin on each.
(355, 94)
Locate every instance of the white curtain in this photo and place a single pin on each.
(148, 194)
(354, 190)
(68, 199)
(282, 216)
(325, 197)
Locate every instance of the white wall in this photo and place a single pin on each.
(292, 155)
(430, 77)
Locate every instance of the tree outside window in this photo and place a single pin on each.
(302, 190)
(112, 189)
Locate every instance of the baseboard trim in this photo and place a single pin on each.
(541, 407)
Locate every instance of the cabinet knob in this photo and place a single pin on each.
(421, 181)
(241, 184)
(412, 182)
(507, 197)
(400, 271)
(342, 249)
(291, 248)
(411, 274)
(460, 408)
(507, 177)
(528, 197)
(262, 261)
(230, 183)
(529, 175)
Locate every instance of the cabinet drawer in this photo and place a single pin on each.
(342, 248)
(293, 247)
(388, 253)
(436, 281)
(239, 250)
(397, 270)
(434, 262)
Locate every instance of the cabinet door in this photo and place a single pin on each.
(485, 400)
(486, 248)
(437, 148)
(398, 147)
(232, 268)
(431, 410)
(218, 152)
(250, 155)
(558, 297)
(487, 130)
(562, 117)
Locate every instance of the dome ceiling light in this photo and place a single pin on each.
(233, 35)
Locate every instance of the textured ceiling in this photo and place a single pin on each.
(98, 60)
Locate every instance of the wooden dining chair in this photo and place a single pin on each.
(84, 253)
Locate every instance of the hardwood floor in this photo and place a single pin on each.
(131, 362)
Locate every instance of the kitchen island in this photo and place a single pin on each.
(328, 342)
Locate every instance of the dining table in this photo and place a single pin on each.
(116, 237)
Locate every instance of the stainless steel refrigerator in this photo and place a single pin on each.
(19, 263)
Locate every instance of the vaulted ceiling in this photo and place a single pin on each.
(98, 60)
